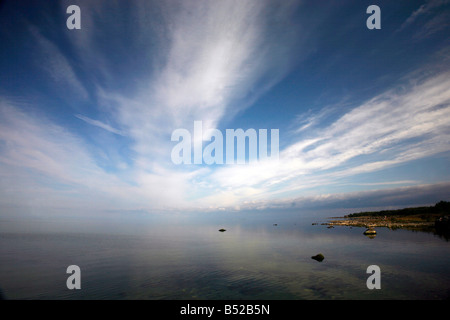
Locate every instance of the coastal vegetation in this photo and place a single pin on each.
(427, 213)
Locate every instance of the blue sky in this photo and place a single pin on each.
(86, 115)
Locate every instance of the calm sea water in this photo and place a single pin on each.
(188, 258)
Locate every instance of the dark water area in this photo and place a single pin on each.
(186, 257)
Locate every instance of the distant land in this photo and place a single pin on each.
(433, 218)
(440, 208)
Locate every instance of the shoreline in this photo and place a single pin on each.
(428, 219)
(410, 223)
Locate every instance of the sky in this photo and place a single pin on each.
(87, 115)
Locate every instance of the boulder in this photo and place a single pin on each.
(370, 231)
(318, 257)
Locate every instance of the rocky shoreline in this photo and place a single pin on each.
(411, 223)
(434, 219)
(430, 219)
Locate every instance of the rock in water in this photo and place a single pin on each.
(222, 230)
(370, 231)
(319, 257)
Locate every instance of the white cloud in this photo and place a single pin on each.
(44, 165)
(395, 127)
(214, 59)
(50, 58)
(218, 60)
(99, 124)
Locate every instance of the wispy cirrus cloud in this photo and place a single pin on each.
(435, 21)
(99, 124)
(43, 164)
(150, 68)
(438, 23)
(213, 62)
(403, 124)
(56, 65)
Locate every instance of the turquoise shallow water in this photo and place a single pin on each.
(188, 258)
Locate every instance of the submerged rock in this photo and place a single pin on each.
(318, 257)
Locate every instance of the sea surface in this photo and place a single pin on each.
(258, 257)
